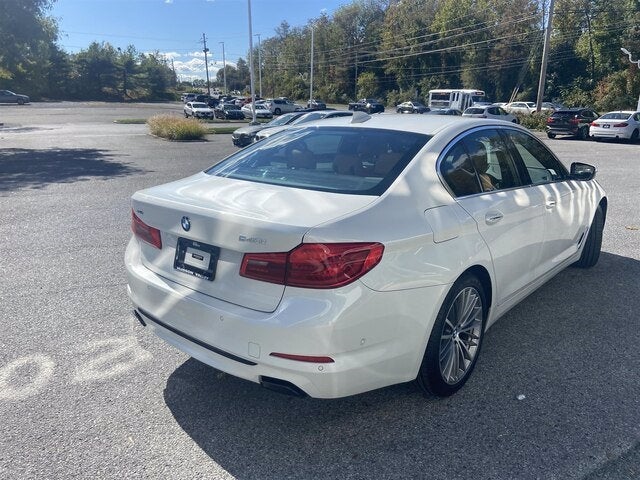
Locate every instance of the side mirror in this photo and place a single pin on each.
(582, 171)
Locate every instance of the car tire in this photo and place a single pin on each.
(583, 134)
(186, 115)
(634, 136)
(20, 101)
(456, 338)
(277, 111)
(593, 244)
(551, 135)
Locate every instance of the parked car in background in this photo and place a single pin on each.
(315, 104)
(444, 111)
(615, 125)
(228, 111)
(524, 108)
(550, 107)
(7, 96)
(197, 110)
(246, 135)
(368, 105)
(281, 105)
(188, 97)
(490, 111)
(305, 118)
(411, 107)
(261, 111)
(571, 121)
(341, 257)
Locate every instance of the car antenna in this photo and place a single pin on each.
(360, 117)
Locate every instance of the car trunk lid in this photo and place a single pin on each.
(213, 221)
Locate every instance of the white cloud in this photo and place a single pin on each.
(168, 2)
(170, 55)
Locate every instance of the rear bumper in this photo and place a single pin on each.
(609, 133)
(375, 338)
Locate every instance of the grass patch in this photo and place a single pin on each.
(173, 127)
(131, 121)
(216, 130)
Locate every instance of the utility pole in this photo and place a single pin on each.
(545, 55)
(355, 83)
(259, 66)
(206, 62)
(224, 69)
(637, 62)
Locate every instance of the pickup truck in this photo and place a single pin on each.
(369, 105)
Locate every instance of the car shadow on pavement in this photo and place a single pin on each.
(26, 168)
(554, 395)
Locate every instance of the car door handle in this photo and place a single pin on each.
(493, 217)
(550, 203)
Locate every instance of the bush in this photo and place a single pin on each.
(533, 121)
(176, 128)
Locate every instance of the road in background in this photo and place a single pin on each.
(85, 392)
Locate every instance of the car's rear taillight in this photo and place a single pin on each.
(144, 232)
(594, 124)
(314, 265)
(574, 121)
(551, 120)
(621, 125)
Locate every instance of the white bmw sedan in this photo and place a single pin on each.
(616, 125)
(344, 256)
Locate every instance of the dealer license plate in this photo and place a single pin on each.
(196, 258)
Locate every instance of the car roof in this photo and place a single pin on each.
(424, 124)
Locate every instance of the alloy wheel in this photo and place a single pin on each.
(461, 335)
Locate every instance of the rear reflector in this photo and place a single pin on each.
(144, 232)
(303, 358)
(313, 265)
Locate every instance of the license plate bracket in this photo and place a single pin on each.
(196, 258)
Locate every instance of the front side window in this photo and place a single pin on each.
(361, 161)
(539, 162)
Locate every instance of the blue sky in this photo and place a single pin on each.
(175, 27)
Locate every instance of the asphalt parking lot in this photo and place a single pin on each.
(85, 392)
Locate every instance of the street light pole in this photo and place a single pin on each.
(253, 92)
(311, 86)
(637, 62)
(259, 66)
(224, 69)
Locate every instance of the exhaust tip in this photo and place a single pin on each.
(282, 386)
(139, 317)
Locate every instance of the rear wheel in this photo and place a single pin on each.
(593, 244)
(551, 135)
(456, 338)
(634, 136)
(20, 101)
(277, 111)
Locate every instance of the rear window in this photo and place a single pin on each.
(333, 159)
(474, 111)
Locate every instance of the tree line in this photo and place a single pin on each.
(391, 49)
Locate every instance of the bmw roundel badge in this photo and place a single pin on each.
(186, 223)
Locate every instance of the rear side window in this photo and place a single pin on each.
(480, 162)
(540, 164)
(334, 159)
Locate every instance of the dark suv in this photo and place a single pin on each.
(571, 121)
